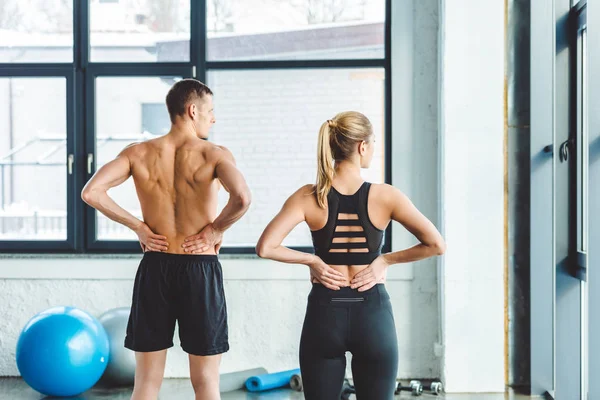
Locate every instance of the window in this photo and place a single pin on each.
(36, 31)
(124, 97)
(581, 120)
(134, 31)
(33, 171)
(296, 29)
(270, 120)
(155, 118)
(583, 140)
(80, 80)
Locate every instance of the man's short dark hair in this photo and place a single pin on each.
(182, 93)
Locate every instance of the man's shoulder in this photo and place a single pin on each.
(133, 149)
(219, 153)
(143, 149)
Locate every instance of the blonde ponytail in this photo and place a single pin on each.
(324, 165)
(338, 139)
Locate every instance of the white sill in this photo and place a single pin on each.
(124, 266)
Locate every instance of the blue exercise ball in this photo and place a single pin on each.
(62, 351)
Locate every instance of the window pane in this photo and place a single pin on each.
(140, 30)
(295, 29)
(584, 139)
(33, 136)
(121, 119)
(36, 31)
(270, 121)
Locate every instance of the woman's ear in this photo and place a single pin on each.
(362, 148)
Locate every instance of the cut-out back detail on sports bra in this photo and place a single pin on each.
(349, 237)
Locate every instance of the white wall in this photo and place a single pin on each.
(266, 303)
(267, 300)
(472, 161)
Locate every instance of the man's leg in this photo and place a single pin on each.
(149, 372)
(204, 372)
(202, 321)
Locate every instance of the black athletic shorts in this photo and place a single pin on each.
(186, 288)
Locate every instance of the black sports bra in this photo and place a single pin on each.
(348, 218)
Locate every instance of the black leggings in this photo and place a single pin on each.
(347, 320)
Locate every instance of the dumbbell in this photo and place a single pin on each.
(415, 387)
(296, 383)
(435, 387)
(347, 390)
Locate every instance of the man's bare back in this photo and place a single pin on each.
(177, 186)
(177, 178)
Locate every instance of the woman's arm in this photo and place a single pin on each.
(269, 245)
(403, 211)
(431, 243)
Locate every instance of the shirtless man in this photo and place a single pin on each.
(177, 177)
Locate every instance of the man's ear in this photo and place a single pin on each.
(192, 110)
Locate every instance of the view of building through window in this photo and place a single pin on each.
(268, 118)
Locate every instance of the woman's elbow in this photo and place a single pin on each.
(262, 250)
(439, 247)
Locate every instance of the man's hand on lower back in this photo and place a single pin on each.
(149, 240)
(208, 238)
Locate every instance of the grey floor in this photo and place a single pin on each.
(175, 389)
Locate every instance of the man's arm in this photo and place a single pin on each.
(239, 201)
(95, 194)
(239, 194)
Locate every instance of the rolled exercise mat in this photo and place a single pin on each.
(296, 382)
(236, 380)
(260, 383)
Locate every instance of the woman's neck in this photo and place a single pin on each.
(347, 174)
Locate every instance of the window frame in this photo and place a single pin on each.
(51, 71)
(81, 75)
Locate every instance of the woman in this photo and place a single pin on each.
(348, 306)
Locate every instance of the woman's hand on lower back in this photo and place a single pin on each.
(370, 276)
(327, 276)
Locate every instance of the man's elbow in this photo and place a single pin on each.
(93, 195)
(88, 195)
(243, 199)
